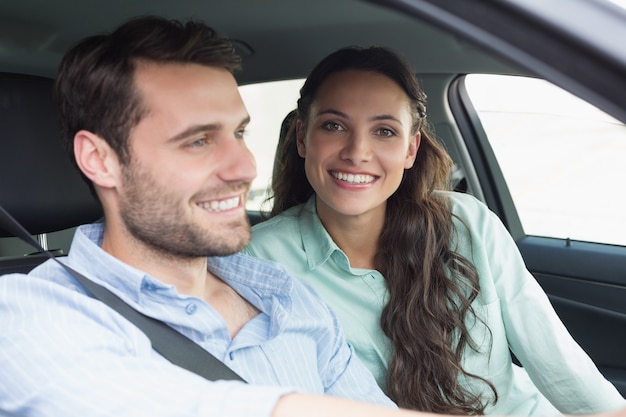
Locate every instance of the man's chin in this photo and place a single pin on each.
(226, 250)
(232, 241)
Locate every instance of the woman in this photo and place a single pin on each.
(427, 283)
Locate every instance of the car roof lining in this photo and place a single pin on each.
(315, 28)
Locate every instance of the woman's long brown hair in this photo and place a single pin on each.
(431, 287)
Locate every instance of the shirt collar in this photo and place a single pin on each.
(87, 256)
(265, 284)
(318, 244)
(257, 280)
(245, 273)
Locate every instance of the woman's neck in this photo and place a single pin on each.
(356, 235)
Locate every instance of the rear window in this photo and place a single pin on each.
(268, 104)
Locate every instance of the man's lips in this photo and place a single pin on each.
(221, 205)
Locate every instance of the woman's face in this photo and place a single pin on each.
(357, 142)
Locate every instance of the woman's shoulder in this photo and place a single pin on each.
(284, 221)
(464, 205)
(472, 217)
(277, 234)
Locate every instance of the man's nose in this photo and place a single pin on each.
(238, 162)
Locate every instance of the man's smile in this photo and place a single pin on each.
(221, 205)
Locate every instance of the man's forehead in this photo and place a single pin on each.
(170, 85)
(176, 97)
(164, 74)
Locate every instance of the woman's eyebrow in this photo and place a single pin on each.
(385, 117)
(334, 112)
(346, 116)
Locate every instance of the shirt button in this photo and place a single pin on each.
(191, 308)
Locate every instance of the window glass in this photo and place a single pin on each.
(562, 158)
(268, 104)
(620, 3)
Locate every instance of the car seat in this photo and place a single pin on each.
(39, 186)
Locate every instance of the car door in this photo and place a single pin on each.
(553, 176)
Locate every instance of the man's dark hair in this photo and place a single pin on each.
(95, 91)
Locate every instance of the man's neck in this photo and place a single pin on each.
(188, 275)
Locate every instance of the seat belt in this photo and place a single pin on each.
(171, 344)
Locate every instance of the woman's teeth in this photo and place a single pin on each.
(352, 178)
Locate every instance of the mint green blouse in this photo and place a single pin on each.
(556, 373)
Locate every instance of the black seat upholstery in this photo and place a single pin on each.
(39, 186)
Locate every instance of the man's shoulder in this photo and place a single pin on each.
(48, 280)
(44, 295)
(267, 278)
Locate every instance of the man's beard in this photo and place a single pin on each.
(153, 216)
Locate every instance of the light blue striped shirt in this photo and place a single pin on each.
(63, 353)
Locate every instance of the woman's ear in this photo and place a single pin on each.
(411, 154)
(96, 159)
(300, 138)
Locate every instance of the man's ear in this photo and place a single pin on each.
(411, 154)
(300, 138)
(96, 159)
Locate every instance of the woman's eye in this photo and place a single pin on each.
(384, 132)
(332, 126)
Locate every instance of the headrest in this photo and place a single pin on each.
(39, 186)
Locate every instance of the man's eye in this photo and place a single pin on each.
(198, 143)
(241, 134)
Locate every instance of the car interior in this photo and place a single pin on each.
(282, 40)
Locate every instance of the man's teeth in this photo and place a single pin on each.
(220, 205)
(354, 179)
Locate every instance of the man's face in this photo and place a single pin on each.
(184, 191)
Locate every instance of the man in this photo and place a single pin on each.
(153, 118)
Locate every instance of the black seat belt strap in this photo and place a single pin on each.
(171, 344)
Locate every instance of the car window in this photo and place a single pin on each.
(268, 104)
(562, 158)
(620, 3)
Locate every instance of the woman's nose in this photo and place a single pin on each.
(357, 148)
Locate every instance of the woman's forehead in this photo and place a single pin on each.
(363, 91)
